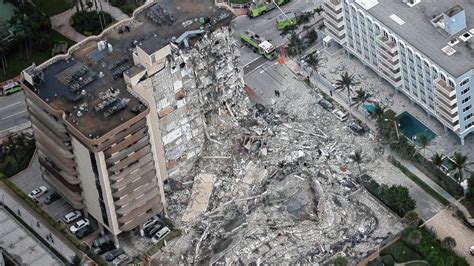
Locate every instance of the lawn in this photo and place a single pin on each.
(53, 7)
(17, 61)
(420, 244)
(401, 253)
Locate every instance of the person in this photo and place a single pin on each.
(277, 93)
(19, 213)
(37, 224)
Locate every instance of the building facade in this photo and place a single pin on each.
(421, 47)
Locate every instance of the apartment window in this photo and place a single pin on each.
(464, 82)
(466, 108)
(466, 99)
(465, 91)
(468, 116)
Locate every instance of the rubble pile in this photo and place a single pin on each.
(283, 190)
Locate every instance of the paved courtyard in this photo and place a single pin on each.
(446, 224)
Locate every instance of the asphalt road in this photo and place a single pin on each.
(265, 26)
(13, 112)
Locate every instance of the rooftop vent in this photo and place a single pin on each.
(453, 42)
(455, 20)
(466, 36)
(411, 3)
(448, 50)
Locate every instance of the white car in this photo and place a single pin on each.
(160, 234)
(340, 115)
(35, 193)
(72, 216)
(78, 225)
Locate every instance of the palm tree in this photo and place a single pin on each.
(437, 159)
(377, 112)
(361, 97)
(314, 60)
(423, 141)
(76, 260)
(460, 163)
(295, 45)
(411, 217)
(345, 83)
(357, 158)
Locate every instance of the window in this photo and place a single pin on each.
(466, 108)
(468, 116)
(466, 90)
(464, 82)
(466, 99)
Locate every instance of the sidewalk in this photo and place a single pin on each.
(29, 216)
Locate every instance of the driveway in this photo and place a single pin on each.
(446, 224)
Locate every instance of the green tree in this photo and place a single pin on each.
(411, 218)
(423, 141)
(346, 82)
(437, 159)
(314, 60)
(378, 112)
(294, 46)
(76, 260)
(448, 243)
(341, 261)
(460, 163)
(398, 198)
(470, 188)
(361, 97)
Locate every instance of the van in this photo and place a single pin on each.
(326, 104)
(158, 236)
(340, 115)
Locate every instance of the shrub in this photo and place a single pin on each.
(388, 260)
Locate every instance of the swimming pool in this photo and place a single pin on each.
(6, 11)
(369, 107)
(411, 127)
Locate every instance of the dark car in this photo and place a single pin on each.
(153, 229)
(52, 198)
(83, 232)
(357, 128)
(105, 248)
(326, 105)
(114, 254)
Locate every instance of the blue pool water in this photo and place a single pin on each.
(369, 107)
(411, 127)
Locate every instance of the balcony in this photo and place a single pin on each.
(386, 44)
(444, 87)
(449, 120)
(449, 108)
(338, 35)
(335, 23)
(335, 5)
(336, 14)
(449, 101)
(390, 78)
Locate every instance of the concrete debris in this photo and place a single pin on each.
(201, 192)
(283, 187)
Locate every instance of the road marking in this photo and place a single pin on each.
(11, 105)
(6, 117)
(252, 61)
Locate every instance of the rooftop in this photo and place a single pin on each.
(88, 86)
(418, 31)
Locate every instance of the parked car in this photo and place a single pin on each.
(151, 231)
(471, 250)
(160, 234)
(72, 216)
(97, 243)
(114, 254)
(52, 198)
(121, 259)
(84, 231)
(78, 225)
(328, 106)
(357, 128)
(342, 116)
(149, 222)
(37, 192)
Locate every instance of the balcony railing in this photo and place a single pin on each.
(445, 87)
(336, 23)
(334, 4)
(387, 44)
(337, 14)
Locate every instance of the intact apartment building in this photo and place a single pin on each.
(424, 48)
(97, 123)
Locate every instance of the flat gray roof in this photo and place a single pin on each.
(419, 32)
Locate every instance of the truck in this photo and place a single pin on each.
(259, 44)
(261, 9)
(286, 20)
